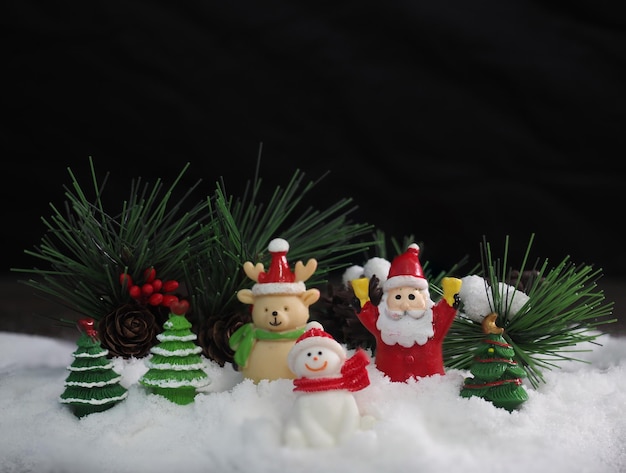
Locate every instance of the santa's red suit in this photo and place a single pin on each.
(400, 363)
(424, 357)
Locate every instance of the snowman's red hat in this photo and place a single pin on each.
(406, 270)
(314, 337)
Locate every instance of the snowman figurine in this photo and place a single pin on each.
(325, 412)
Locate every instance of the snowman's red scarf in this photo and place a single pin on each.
(353, 376)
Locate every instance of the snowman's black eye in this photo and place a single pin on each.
(319, 353)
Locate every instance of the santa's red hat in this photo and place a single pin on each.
(314, 337)
(406, 270)
(278, 279)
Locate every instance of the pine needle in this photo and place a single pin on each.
(86, 247)
(565, 308)
(244, 226)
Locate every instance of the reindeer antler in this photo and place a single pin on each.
(279, 271)
(252, 270)
(304, 272)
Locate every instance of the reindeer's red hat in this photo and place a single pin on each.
(278, 279)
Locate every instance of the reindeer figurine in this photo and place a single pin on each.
(280, 313)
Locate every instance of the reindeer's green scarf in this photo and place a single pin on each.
(242, 340)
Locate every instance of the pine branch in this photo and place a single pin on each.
(244, 227)
(86, 247)
(564, 309)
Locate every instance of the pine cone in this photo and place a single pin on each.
(214, 334)
(129, 331)
(523, 281)
(330, 310)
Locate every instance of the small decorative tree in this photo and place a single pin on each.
(175, 365)
(497, 377)
(92, 385)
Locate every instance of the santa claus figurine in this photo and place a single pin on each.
(325, 413)
(408, 326)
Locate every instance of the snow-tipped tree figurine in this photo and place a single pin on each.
(92, 385)
(497, 377)
(175, 366)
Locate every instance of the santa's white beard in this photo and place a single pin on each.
(406, 330)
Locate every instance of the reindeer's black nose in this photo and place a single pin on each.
(275, 313)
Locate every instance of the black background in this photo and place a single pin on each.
(447, 120)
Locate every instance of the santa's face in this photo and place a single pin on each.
(405, 316)
(317, 361)
(402, 301)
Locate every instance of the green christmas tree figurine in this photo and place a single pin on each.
(497, 378)
(175, 365)
(92, 385)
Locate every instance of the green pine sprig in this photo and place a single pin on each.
(565, 308)
(86, 247)
(245, 225)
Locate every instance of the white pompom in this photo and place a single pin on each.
(475, 296)
(514, 299)
(313, 324)
(352, 273)
(278, 245)
(377, 266)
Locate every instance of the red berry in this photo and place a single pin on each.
(169, 286)
(135, 292)
(149, 274)
(147, 289)
(155, 299)
(157, 284)
(168, 300)
(126, 279)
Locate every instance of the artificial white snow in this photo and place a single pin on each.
(162, 337)
(99, 354)
(173, 383)
(573, 423)
(91, 368)
(97, 384)
(157, 350)
(94, 402)
(174, 367)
